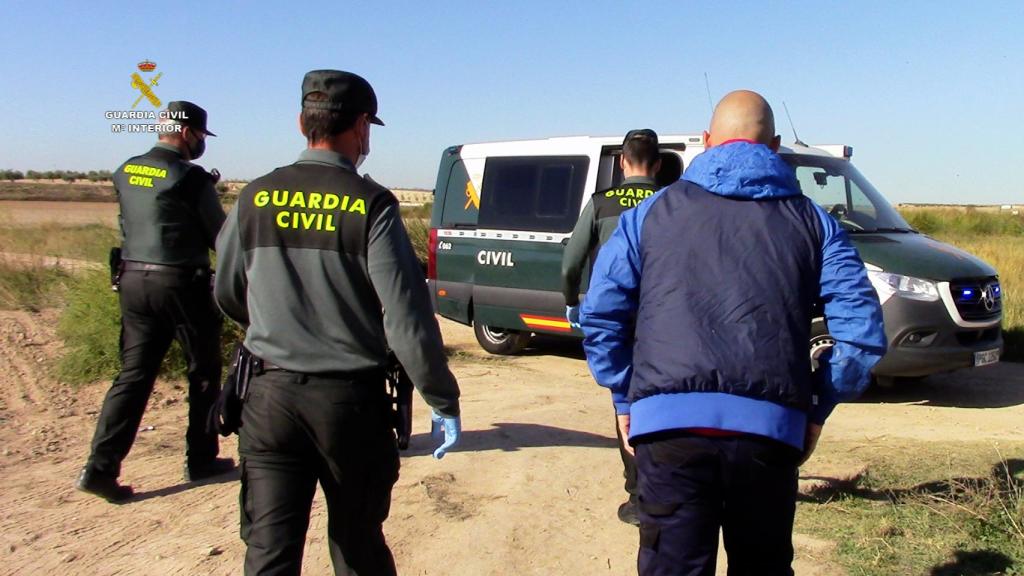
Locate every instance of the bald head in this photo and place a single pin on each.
(743, 115)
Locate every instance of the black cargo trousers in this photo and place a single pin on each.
(156, 308)
(300, 429)
(691, 486)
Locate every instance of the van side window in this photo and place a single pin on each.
(461, 202)
(533, 193)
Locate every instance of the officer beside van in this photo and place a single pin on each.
(640, 162)
(170, 216)
(306, 260)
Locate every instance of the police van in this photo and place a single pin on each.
(503, 212)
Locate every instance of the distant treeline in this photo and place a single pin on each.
(66, 175)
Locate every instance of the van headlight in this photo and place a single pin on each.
(887, 285)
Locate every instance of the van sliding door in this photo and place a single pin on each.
(528, 206)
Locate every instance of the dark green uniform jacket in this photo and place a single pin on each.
(597, 222)
(316, 262)
(169, 209)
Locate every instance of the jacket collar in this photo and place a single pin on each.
(743, 170)
(167, 148)
(645, 180)
(328, 157)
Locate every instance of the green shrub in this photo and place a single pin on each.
(419, 235)
(30, 286)
(91, 327)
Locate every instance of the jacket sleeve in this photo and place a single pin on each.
(854, 318)
(230, 286)
(206, 203)
(575, 255)
(608, 313)
(409, 323)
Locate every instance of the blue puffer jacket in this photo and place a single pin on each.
(700, 305)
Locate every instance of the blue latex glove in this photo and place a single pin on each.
(448, 429)
(572, 314)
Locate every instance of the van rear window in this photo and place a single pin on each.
(460, 204)
(533, 193)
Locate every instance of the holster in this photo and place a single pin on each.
(400, 390)
(116, 268)
(226, 414)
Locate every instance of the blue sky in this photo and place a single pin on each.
(929, 94)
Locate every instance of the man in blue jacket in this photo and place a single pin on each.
(707, 356)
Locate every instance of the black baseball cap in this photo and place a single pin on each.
(645, 133)
(345, 91)
(195, 116)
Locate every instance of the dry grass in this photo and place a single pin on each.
(927, 509)
(57, 191)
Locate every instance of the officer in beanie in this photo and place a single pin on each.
(307, 259)
(170, 217)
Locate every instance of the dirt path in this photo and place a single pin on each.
(532, 490)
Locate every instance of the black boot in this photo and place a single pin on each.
(103, 485)
(627, 512)
(215, 467)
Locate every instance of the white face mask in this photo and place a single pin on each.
(364, 148)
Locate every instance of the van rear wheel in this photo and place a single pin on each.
(500, 340)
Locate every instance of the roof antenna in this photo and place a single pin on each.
(796, 139)
(707, 85)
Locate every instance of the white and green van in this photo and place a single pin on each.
(503, 212)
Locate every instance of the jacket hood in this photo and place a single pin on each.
(743, 170)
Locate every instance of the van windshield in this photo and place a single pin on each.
(838, 187)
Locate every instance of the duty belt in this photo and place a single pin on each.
(351, 386)
(262, 366)
(148, 267)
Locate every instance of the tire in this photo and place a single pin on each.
(818, 345)
(499, 340)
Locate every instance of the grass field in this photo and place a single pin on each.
(921, 504)
(57, 191)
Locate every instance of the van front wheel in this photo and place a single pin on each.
(500, 340)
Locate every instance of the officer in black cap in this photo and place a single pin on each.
(306, 260)
(170, 216)
(640, 162)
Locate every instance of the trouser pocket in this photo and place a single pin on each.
(244, 503)
(650, 533)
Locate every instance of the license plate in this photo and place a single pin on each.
(986, 357)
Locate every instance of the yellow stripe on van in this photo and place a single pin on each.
(546, 322)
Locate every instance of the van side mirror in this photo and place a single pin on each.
(821, 179)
